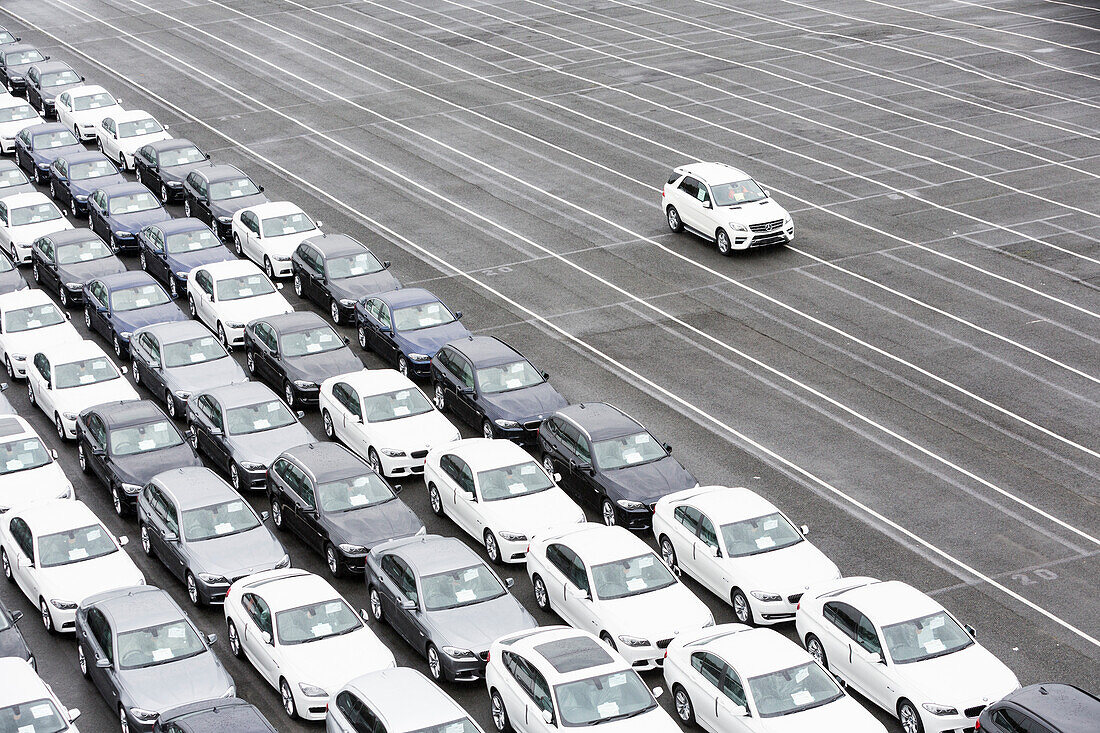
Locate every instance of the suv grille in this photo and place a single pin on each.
(974, 711)
(767, 226)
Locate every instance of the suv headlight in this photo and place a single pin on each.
(125, 335)
(393, 453)
(311, 690)
(633, 640)
(939, 709)
(353, 549)
(762, 595)
(738, 227)
(132, 489)
(143, 715)
(512, 536)
(508, 424)
(212, 579)
(630, 505)
(63, 605)
(458, 653)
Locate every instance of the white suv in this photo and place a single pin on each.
(725, 205)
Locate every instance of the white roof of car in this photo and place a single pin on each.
(598, 543)
(7, 100)
(751, 651)
(374, 381)
(18, 200)
(68, 352)
(275, 208)
(288, 588)
(231, 268)
(23, 298)
(885, 602)
(724, 504)
(713, 173)
(21, 683)
(56, 515)
(129, 115)
(483, 454)
(85, 90)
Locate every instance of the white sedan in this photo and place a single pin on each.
(83, 108)
(269, 233)
(607, 581)
(736, 679)
(740, 547)
(28, 470)
(24, 217)
(63, 379)
(903, 651)
(59, 553)
(28, 703)
(121, 134)
(498, 494)
(30, 321)
(385, 418)
(301, 636)
(227, 295)
(15, 114)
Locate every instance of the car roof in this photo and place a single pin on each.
(137, 607)
(127, 279)
(713, 173)
(171, 143)
(7, 101)
(122, 413)
(275, 208)
(23, 298)
(486, 350)
(570, 653)
(67, 353)
(122, 189)
(194, 486)
(44, 127)
(18, 200)
(48, 67)
(221, 714)
(327, 461)
(483, 454)
(752, 651)
(182, 224)
(431, 553)
(601, 420)
(390, 690)
(231, 268)
(170, 332)
(375, 381)
(242, 393)
(294, 321)
(21, 682)
(86, 89)
(56, 515)
(333, 245)
(887, 602)
(406, 296)
(14, 427)
(19, 47)
(724, 504)
(220, 172)
(287, 587)
(129, 115)
(71, 236)
(598, 543)
(1067, 707)
(84, 157)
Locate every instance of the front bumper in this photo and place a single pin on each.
(253, 479)
(419, 369)
(281, 268)
(127, 243)
(63, 621)
(23, 252)
(513, 551)
(634, 519)
(774, 612)
(526, 434)
(7, 145)
(70, 427)
(410, 464)
(651, 656)
(309, 708)
(87, 132)
(19, 366)
(465, 669)
(17, 87)
(235, 336)
(948, 723)
(754, 239)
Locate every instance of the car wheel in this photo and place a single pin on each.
(222, 337)
(435, 500)
(288, 699)
(123, 722)
(72, 207)
(332, 559)
(361, 337)
(187, 208)
(134, 371)
(607, 510)
(82, 661)
(146, 545)
(375, 603)
(88, 317)
(268, 269)
(143, 262)
(909, 717)
(170, 403)
(742, 611)
(684, 710)
(10, 369)
(606, 639)
(173, 289)
(542, 598)
(39, 177)
(113, 242)
(326, 424)
(235, 477)
(234, 639)
(191, 307)
(487, 430)
(492, 549)
(53, 189)
(334, 312)
(163, 194)
(194, 435)
(298, 285)
(34, 273)
(117, 345)
(63, 296)
(668, 552)
(47, 618)
(817, 650)
(60, 427)
(14, 255)
(374, 460)
(193, 590)
(440, 398)
(723, 240)
(82, 458)
(277, 514)
(500, 713)
(403, 366)
(435, 665)
(30, 393)
(250, 362)
(122, 161)
(548, 465)
(288, 394)
(116, 501)
(237, 246)
(674, 222)
(7, 566)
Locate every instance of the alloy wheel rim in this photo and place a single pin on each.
(333, 563)
(491, 547)
(540, 594)
(235, 477)
(123, 723)
(362, 338)
(288, 699)
(251, 362)
(116, 502)
(548, 464)
(668, 554)
(192, 590)
(134, 372)
(171, 405)
(433, 662)
(437, 503)
(439, 399)
(164, 193)
(141, 260)
(741, 608)
(298, 285)
(908, 719)
(326, 419)
(60, 429)
(608, 514)
(234, 642)
(7, 566)
(815, 651)
(723, 242)
(288, 393)
(403, 366)
(375, 463)
(673, 220)
(683, 706)
(47, 621)
(375, 604)
(498, 713)
(81, 459)
(82, 660)
(277, 513)
(334, 311)
(145, 539)
(487, 430)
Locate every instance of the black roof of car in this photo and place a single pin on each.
(601, 420)
(486, 350)
(224, 715)
(85, 157)
(294, 321)
(327, 461)
(1067, 708)
(127, 412)
(72, 236)
(19, 48)
(48, 67)
(573, 654)
(334, 245)
(172, 143)
(220, 172)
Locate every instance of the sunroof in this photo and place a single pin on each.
(10, 427)
(575, 653)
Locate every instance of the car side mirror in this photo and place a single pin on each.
(364, 615)
(467, 392)
(74, 713)
(210, 297)
(53, 453)
(46, 57)
(278, 286)
(716, 551)
(386, 264)
(25, 562)
(264, 516)
(546, 376)
(215, 431)
(668, 448)
(708, 205)
(68, 316)
(260, 189)
(767, 193)
(458, 315)
(266, 636)
(804, 529)
(657, 691)
(880, 659)
(407, 605)
(547, 717)
(509, 582)
(318, 224)
(165, 126)
(740, 711)
(211, 638)
(207, 155)
(3, 386)
(970, 630)
(118, 100)
(15, 616)
(300, 413)
(397, 488)
(99, 452)
(103, 663)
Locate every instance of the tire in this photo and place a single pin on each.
(123, 721)
(268, 269)
(250, 361)
(298, 285)
(542, 597)
(237, 246)
(8, 576)
(499, 713)
(63, 296)
(277, 514)
(909, 717)
(435, 500)
(170, 403)
(82, 459)
(681, 701)
(186, 208)
(435, 664)
(326, 424)
(81, 661)
(47, 617)
(234, 639)
(164, 195)
(403, 366)
(492, 548)
(289, 395)
(9, 368)
(117, 503)
(134, 372)
(668, 552)
(440, 398)
(72, 207)
(334, 312)
(117, 345)
(222, 337)
(487, 430)
(143, 262)
(607, 512)
(361, 337)
(235, 477)
(30, 393)
(191, 307)
(548, 465)
(742, 611)
(288, 699)
(817, 650)
(674, 222)
(375, 462)
(34, 273)
(146, 545)
(722, 240)
(332, 559)
(375, 602)
(173, 289)
(193, 589)
(606, 639)
(60, 426)
(87, 318)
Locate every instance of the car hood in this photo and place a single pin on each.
(139, 468)
(50, 93)
(228, 207)
(94, 116)
(371, 525)
(964, 679)
(44, 482)
(356, 288)
(82, 272)
(787, 571)
(86, 186)
(244, 310)
(135, 221)
(189, 260)
(529, 403)
(659, 614)
(648, 482)
(842, 714)
(12, 644)
(265, 447)
(165, 686)
(319, 367)
(238, 554)
(29, 342)
(76, 581)
(419, 432)
(476, 627)
(27, 233)
(331, 662)
(429, 340)
(14, 127)
(197, 377)
(533, 514)
(11, 281)
(75, 399)
(135, 319)
(757, 212)
(654, 721)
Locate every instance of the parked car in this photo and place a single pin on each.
(204, 532)
(438, 595)
(336, 504)
(903, 651)
(12, 643)
(24, 217)
(117, 305)
(378, 701)
(118, 212)
(214, 193)
(58, 553)
(268, 234)
(29, 321)
(27, 704)
(242, 429)
(120, 135)
(10, 278)
(406, 327)
(125, 444)
(75, 176)
(162, 166)
(29, 471)
(45, 81)
(610, 461)
(336, 271)
(15, 60)
(64, 262)
(12, 178)
(213, 716)
(171, 249)
(227, 295)
(1045, 708)
(145, 656)
(176, 359)
(37, 146)
(15, 115)
(301, 636)
(82, 109)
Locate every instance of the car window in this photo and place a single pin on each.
(22, 454)
(204, 281)
(570, 565)
(21, 532)
(926, 637)
(739, 192)
(232, 189)
(867, 636)
(101, 631)
(136, 128)
(84, 372)
(596, 699)
(759, 534)
(354, 492)
(358, 715)
(401, 575)
(132, 203)
(512, 481)
(258, 610)
(627, 450)
(245, 286)
(709, 666)
(463, 370)
(87, 251)
(159, 644)
(192, 241)
(220, 519)
(32, 317)
(179, 156)
(353, 265)
(732, 687)
(312, 341)
(423, 315)
(75, 545)
(280, 226)
(34, 214)
(843, 616)
(631, 576)
(462, 587)
(508, 377)
(199, 350)
(257, 418)
(689, 517)
(138, 297)
(706, 531)
(690, 186)
(395, 405)
(98, 100)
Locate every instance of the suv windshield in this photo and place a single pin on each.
(363, 263)
(762, 534)
(233, 189)
(316, 621)
(462, 587)
(36, 214)
(218, 520)
(425, 315)
(737, 193)
(74, 545)
(628, 450)
(130, 203)
(35, 316)
(793, 690)
(84, 372)
(192, 351)
(353, 493)
(158, 645)
(511, 481)
(136, 128)
(258, 418)
(86, 251)
(314, 341)
(922, 638)
(137, 297)
(394, 405)
(601, 699)
(246, 286)
(278, 226)
(630, 577)
(191, 241)
(144, 438)
(22, 455)
(91, 169)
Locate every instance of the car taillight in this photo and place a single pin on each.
(488, 655)
(977, 725)
(798, 605)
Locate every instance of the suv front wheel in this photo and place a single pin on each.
(725, 247)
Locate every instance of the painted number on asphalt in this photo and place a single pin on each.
(1029, 578)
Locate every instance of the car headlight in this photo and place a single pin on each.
(69, 415)
(63, 605)
(233, 324)
(174, 184)
(629, 505)
(75, 286)
(19, 357)
(181, 274)
(281, 259)
(353, 549)
(284, 563)
(761, 595)
(143, 715)
(420, 357)
(125, 335)
(455, 652)
(738, 227)
(183, 395)
(939, 709)
(131, 489)
(311, 690)
(121, 233)
(512, 536)
(393, 452)
(304, 384)
(253, 466)
(212, 579)
(81, 199)
(225, 219)
(348, 303)
(633, 640)
(507, 424)
(44, 166)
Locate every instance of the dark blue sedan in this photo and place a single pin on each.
(117, 213)
(406, 327)
(117, 305)
(38, 146)
(74, 176)
(171, 249)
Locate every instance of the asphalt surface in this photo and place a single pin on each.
(916, 377)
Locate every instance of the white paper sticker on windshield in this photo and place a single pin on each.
(608, 709)
(469, 575)
(25, 729)
(933, 646)
(641, 439)
(802, 697)
(78, 554)
(616, 680)
(176, 632)
(357, 499)
(207, 341)
(87, 378)
(85, 256)
(94, 534)
(141, 302)
(245, 292)
(159, 655)
(635, 584)
(14, 465)
(327, 338)
(529, 470)
(762, 543)
(516, 488)
(42, 711)
(234, 506)
(313, 348)
(426, 322)
(513, 383)
(273, 407)
(936, 623)
(160, 427)
(401, 411)
(34, 323)
(322, 629)
(261, 424)
(334, 607)
(771, 523)
(645, 562)
(632, 456)
(223, 527)
(195, 358)
(801, 675)
(30, 445)
(148, 444)
(465, 596)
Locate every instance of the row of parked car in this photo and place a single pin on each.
(626, 607)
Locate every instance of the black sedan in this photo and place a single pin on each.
(15, 60)
(491, 386)
(171, 249)
(12, 643)
(64, 262)
(214, 193)
(211, 716)
(295, 352)
(338, 506)
(127, 443)
(48, 79)
(610, 461)
(74, 176)
(336, 271)
(163, 165)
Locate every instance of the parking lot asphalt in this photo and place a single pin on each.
(915, 377)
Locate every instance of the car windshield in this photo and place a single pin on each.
(180, 156)
(36, 716)
(138, 297)
(17, 112)
(19, 58)
(22, 455)
(192, 351)
(130, 203)
(12, 177)
(137, 128)
(144, 438)
(278, 226)
(233, 189)
(86, 251)
(159, 644)
(737, 193)
(630, 577)
(462, 725)
(507, 377)
(926, 637)
(601, 699)
(246, 286)
(32, 317)
(93, 101)
(6, 38)
(57, 78)
(425, 315)
(6, 265)
(793, 690)
(362, 263)
(92, 169)
(314, 341)
(36, 214)
(761, 534)
(511, 481)
(354, 492)
(191, 241)
(218, 520)
(84, 372)
(462, 587)
(51, 140)
(74, 545)
(258, 418)
(316, 621)
(628, 450)
(394, 405)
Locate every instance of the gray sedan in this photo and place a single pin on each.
(444, 600)
(145, 655)
(175, 360)
(384, 696)
(204, 532)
